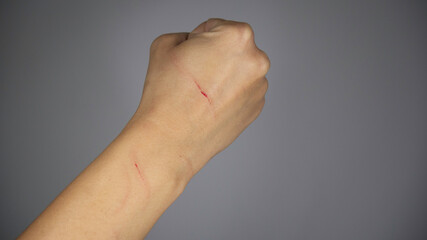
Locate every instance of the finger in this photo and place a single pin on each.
(209, 24)
(169, 40)
(174, 39)
(200, 28)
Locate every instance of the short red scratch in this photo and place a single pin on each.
(139, 171)
(201, 91)
(142, 173)
(206, 96)
(192, 78)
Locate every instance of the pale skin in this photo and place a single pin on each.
(202, 90)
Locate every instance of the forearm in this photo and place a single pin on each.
(122, 193)
(201, 91)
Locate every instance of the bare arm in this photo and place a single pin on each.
(201, 91)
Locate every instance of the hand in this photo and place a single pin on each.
(204, 88)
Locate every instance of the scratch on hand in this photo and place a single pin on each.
(201, 91)
(139, 171)
(191, 76)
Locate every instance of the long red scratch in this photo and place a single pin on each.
(192, 78)
(201, 91)
(139, 171)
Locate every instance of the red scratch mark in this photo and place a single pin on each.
(192, 78)
(144, 190)
(139, 171)
(202, 92)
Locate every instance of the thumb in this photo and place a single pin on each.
(169, 40)
(208, 25)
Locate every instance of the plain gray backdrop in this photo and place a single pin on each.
(339, 152)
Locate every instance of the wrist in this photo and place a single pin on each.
(160, 156)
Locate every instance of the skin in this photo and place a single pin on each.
(202, 90)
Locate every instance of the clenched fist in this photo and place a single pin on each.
(201, 91)
(205, 87)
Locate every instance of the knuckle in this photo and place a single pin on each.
(259, 63)
(240, 32)
(246, 31)
(263, 63)
(264, 87)
(157, 42)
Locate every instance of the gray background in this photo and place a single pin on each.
(339, 152)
